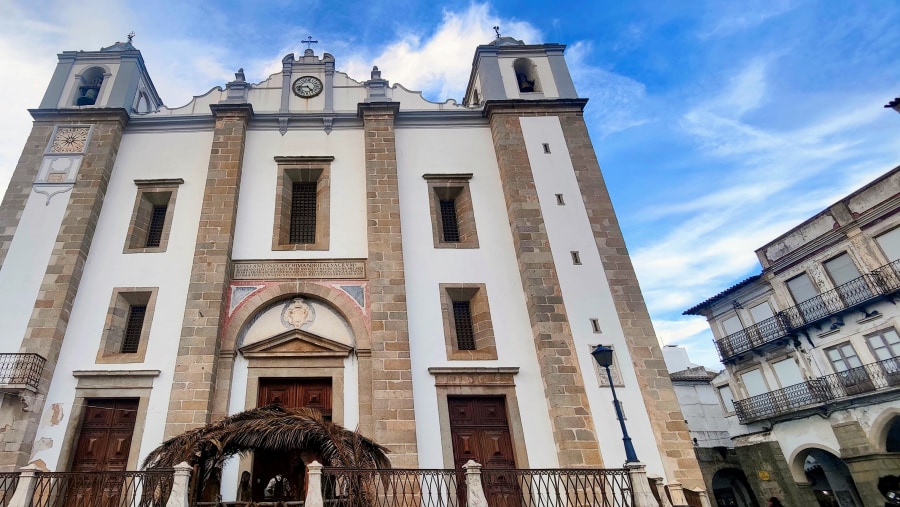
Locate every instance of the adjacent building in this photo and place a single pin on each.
(435, 274)
(812, 359)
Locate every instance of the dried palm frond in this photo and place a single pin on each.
(269, 428)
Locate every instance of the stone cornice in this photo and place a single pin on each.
(377, 107)
(83, 115)
(492, 107)
(226, 109)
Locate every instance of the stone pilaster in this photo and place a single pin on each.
(194, 380)
(865, 462)
(573, 427)
(393, 416)
(53, 306)
(672, 437)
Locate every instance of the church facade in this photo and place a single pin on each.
(434, 274)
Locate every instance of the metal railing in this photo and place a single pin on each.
(102, 489)
(8, 483)
(610, 487)
(344, 487)
(865, 379)
(880, 282)
(356, 487)
(21, 369)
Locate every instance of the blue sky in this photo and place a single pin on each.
(718, 125)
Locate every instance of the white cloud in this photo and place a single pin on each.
(731, 18)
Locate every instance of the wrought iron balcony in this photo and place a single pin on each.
(19, 371)
(881, 282)
(866, 379)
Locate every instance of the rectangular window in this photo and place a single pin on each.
(546, 147)
(853, 377)
(303, 212)
(754, 383)
(560, 200)
(761, 312)
(890, 244)
(732, 325)
(127, 329)
(302, 203)
(884, 344)
(595, 325)
(576, 258)
(462, 317)
(727, 398)
(151, 220)
(841, 269)
(449, 221)
(468, 331)
(452, 213)
(133, 327)
(157, 223)
(801, 288)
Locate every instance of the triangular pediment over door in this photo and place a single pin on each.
(296, 343)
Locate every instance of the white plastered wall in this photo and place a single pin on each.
(141, 156)
(464, 150)
(26, 263)
(586, 294)
(256, 206)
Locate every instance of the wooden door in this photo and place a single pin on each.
(105, 437)
(103, 445)
(479, 429)
(292, 393)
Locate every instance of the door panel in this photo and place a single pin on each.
(479, 430)
(105, 436)
(292, 393)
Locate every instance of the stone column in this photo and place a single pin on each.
(672, 437)
(194, 381)
(181, 490)
(53, 306)
(474, 489)
(393, 415)
(865, 463)
(571, 422)
(314, 485)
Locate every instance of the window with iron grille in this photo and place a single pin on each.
(157, 222)
(452, 211)
(133, 328)
(303, 212)
(449, 221)
(465, 333)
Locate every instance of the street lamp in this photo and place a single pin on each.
(604, 357)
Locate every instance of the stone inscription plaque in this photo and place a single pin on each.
(291, 270)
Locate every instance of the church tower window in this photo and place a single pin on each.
(468, 329)
(452, 214)
(303, 212)
(152, 217)
(526, 76)
(89, 84)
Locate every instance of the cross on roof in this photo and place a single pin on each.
(497, 31)
(131, 36)
(309, 42)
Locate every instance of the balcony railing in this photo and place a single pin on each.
(874, 377)
(18, 370)
(8, 483)
(880, 282)
(102, 489)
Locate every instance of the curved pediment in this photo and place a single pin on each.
(296, 343)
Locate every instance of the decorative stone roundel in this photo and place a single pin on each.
(69, 140)
(297, 313)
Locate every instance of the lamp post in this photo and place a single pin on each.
(604, 357)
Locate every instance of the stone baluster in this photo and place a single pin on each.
(25, 487)
(474, 491)
(640, 485)
(181, 486)
(314, 485)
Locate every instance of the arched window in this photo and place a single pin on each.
(526, 76)
(89, 87)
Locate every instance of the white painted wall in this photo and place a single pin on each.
(464, 150)
(141, 156)
(26, 263)
(586, 294)
(256, 204)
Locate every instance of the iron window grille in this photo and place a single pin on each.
(303, 212)
(465, 333)
(449, 221)
(133, 327)
(157, 222)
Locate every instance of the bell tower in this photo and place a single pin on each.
(509, 69)
(114, 77)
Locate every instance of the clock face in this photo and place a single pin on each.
(307, 87)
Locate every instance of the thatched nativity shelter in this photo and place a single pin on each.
(272, 428)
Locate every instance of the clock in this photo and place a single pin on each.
(307, 87)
